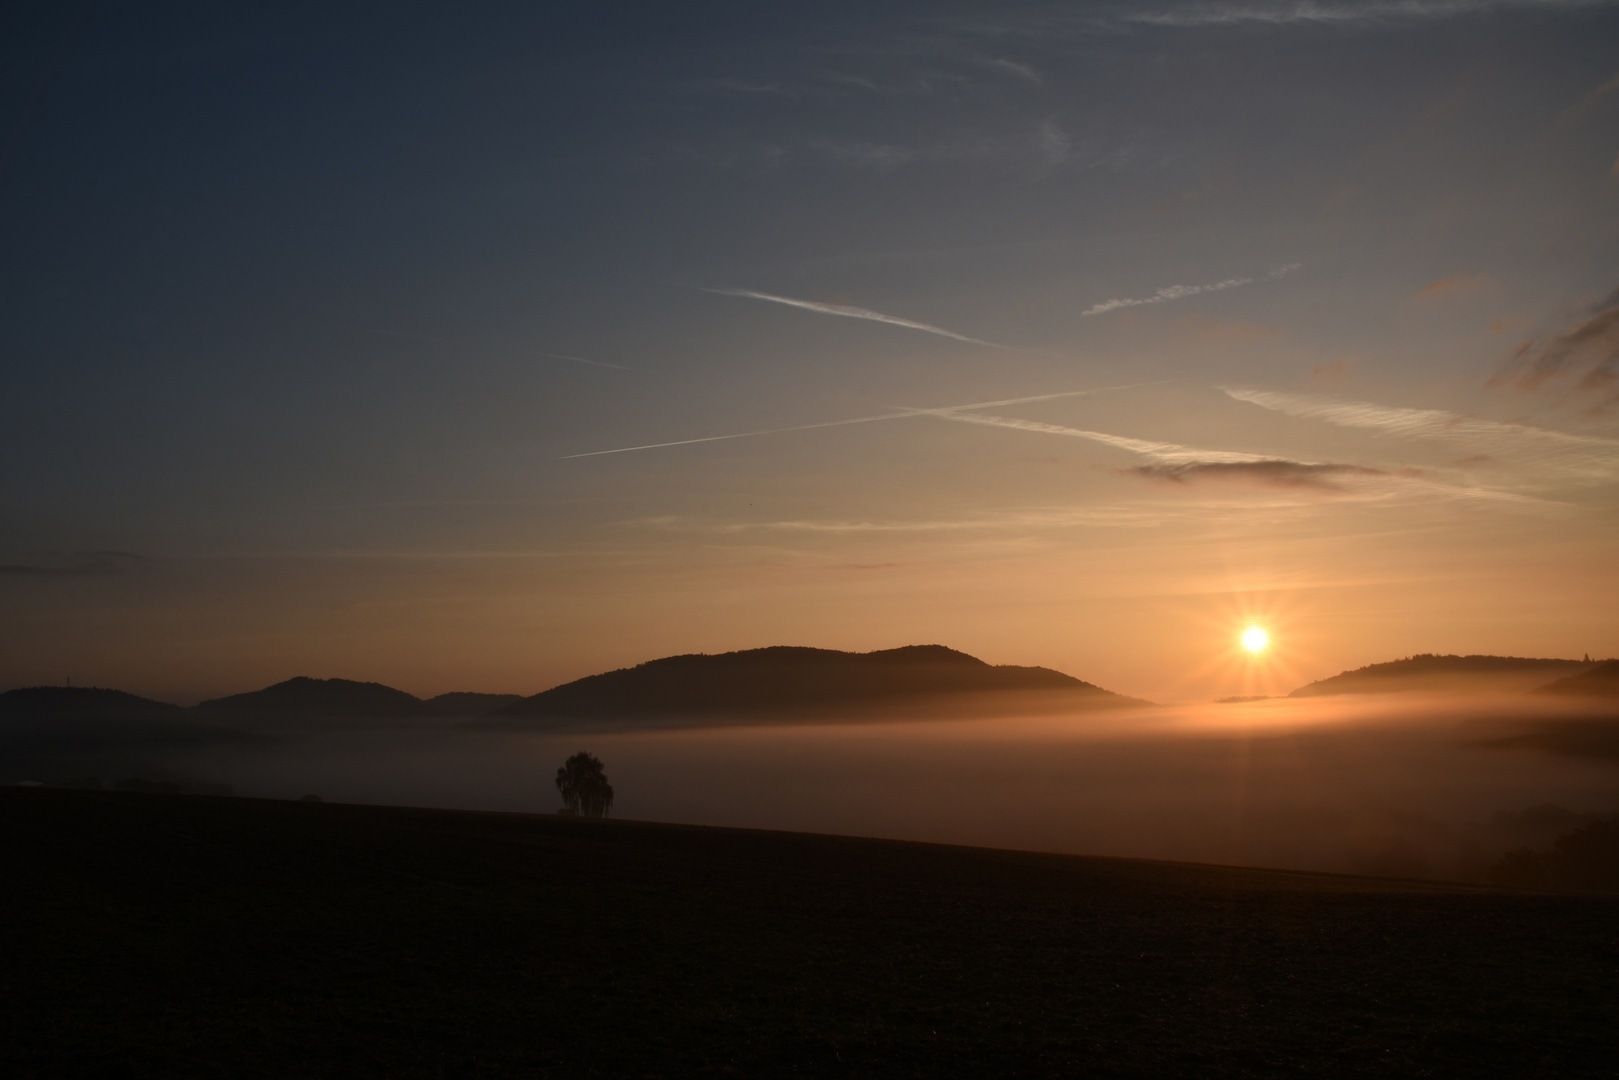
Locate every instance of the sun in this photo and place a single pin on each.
(1255, 639)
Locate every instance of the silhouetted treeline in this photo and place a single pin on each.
(1584, 860)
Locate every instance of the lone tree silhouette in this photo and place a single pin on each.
(584, 786)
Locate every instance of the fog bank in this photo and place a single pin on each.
(1401, 785)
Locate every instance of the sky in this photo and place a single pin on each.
(484, 347)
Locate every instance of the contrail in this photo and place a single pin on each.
(1195, 460)
(592, 363)
(1178, 292)
(1158, 451)
(854, 313)
(740, 435)
(902, 414)
(1591, 456)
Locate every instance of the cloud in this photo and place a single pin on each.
(739, 435)
(1179, 292)
(592, 363)
(1343, 12)
(1454, 285)
(1022, 71)
(73, 564)
(1159, 451)
(1183, 464)
(847, 312)
(1273, 472)
(1169, 461)
(1586, 457)
(902, 414)
(1172, 292)
(1589, 349)
(1054, 141)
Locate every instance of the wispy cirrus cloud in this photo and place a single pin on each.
(1588, 349)
(1586, 457)
(1166, 461)
(1342, 12)
(1159, 451)
(1180, 292)
(1022, 71)
(1273, 472)
(1185, 464)
(848, 312)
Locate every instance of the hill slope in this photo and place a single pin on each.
(1427, 671)
(41, 724)
(82, 703)
(787, 678)
(462, 703)
(174, 936)
(1599, 681)
(303, 696)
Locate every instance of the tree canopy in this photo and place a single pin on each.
(584, 787)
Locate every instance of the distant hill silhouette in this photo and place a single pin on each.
(306, 697)
(461, 703)
(788, 678)
(1599, 681)
(303, 698)
(1427, 671)
(40, 723)
(82, 703)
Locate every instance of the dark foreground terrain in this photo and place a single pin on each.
(173, 935)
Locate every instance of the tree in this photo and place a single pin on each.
(584, 786)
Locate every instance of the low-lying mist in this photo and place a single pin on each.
(1404, 785)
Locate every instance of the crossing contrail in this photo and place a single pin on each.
(848, 312)
(900, 414)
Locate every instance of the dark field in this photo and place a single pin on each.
(153, 935)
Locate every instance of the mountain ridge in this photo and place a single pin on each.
(786, 678)
(1440, 671)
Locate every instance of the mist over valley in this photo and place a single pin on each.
(1409, 776)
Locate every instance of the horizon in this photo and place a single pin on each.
(184, 703)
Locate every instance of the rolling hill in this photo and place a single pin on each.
(303, 698)
(36, 703)
(787, 679)
(44, 722)
(1429, 672)
(1599, 681)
